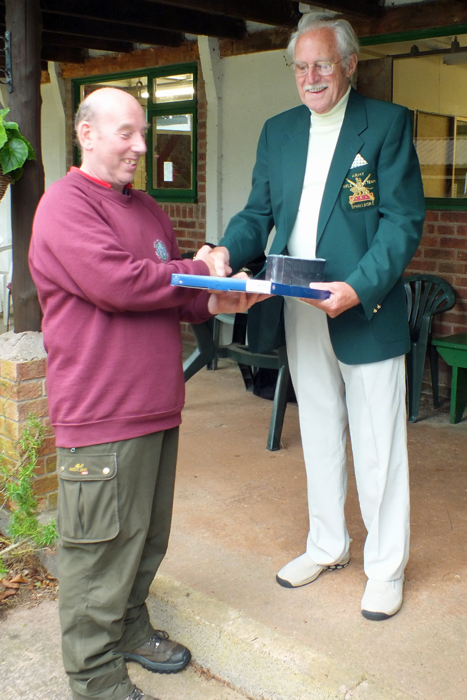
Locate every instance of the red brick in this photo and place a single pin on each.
(20, 391)
(451, 267)
(45, 484)
(19, 371)
(52, 500)
(438, 254)
(39, 470)
(445, 230)
(432, 215)
(39, 407)
(450, 242)
(458, 216)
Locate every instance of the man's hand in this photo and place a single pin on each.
(215, 268)
(233, 302)
(343, 297)
(220, 258)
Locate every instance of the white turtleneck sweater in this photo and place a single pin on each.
(324, 132)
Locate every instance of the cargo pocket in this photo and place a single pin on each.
(88, 498)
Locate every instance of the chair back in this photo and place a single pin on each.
(427, 295)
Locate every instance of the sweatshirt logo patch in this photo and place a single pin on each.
(161, 251)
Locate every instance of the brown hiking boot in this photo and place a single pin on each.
(160, 655)
(137, 694)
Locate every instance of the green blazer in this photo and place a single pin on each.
(370, 222)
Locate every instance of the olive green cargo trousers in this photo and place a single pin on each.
(114, 516)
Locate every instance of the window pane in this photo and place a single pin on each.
(172, 151)
(435, 144)
(173, 88)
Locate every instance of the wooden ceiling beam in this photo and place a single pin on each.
(63, 53)
(149, 15)
(418, 17)
(82, 42)
(280, 13)
(86, 42)
(359, 8)
(61, 24)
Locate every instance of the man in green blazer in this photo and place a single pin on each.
(338, 178)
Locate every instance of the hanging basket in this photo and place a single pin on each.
(4, 182)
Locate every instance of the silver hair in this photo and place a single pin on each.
(347, 41)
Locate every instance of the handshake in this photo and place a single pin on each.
(216, 258)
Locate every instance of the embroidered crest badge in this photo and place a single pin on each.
(359, 190)
(161, 251)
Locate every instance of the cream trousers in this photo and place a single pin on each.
(370, 399)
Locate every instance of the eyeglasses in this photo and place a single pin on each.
(320, 67)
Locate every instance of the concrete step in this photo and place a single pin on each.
(251, 657)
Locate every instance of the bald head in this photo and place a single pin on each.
(95, 105)
(111, 128)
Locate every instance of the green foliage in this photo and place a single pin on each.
(16, 486)
(15, 150)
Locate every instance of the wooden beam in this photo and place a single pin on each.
(62, 24)
(395, 21)
(144, 58)
(281, 13)
(149, 15)
(362, 8)
(86, 42)
(58, 54)
(82, 42)
(266, 40)
(23, 20)
(413, 18)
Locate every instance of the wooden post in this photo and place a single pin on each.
(23, 20)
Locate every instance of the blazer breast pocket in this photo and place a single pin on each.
(360, 189)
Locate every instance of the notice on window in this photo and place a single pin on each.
(168, 171)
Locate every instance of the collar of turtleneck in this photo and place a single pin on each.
(334, 116)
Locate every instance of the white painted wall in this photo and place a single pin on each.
(254, 88)
(53, 130)
(53, 147)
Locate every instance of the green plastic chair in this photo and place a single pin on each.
(209, 350)
(427, 295)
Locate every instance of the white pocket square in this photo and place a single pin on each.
(358, 161)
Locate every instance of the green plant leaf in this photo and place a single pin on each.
(13, 154)
(31, 154)
(16, 174)
(3, 135)
(11, 126)
(3, 113)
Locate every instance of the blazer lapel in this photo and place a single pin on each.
(348, 145)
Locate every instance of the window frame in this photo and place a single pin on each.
(189, 106)
(431, 203)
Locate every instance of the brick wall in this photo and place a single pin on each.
(189, 220)
(443, 252)
(22, 392)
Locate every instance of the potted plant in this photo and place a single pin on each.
(15, 150)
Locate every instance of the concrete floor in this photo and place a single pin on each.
(241, 514)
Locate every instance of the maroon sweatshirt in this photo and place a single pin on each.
(102, 262)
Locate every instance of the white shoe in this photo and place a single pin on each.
(303, 570)
(382, 599)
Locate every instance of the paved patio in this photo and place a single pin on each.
(241, 513)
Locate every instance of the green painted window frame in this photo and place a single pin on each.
(431, 203)
(189, 106)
